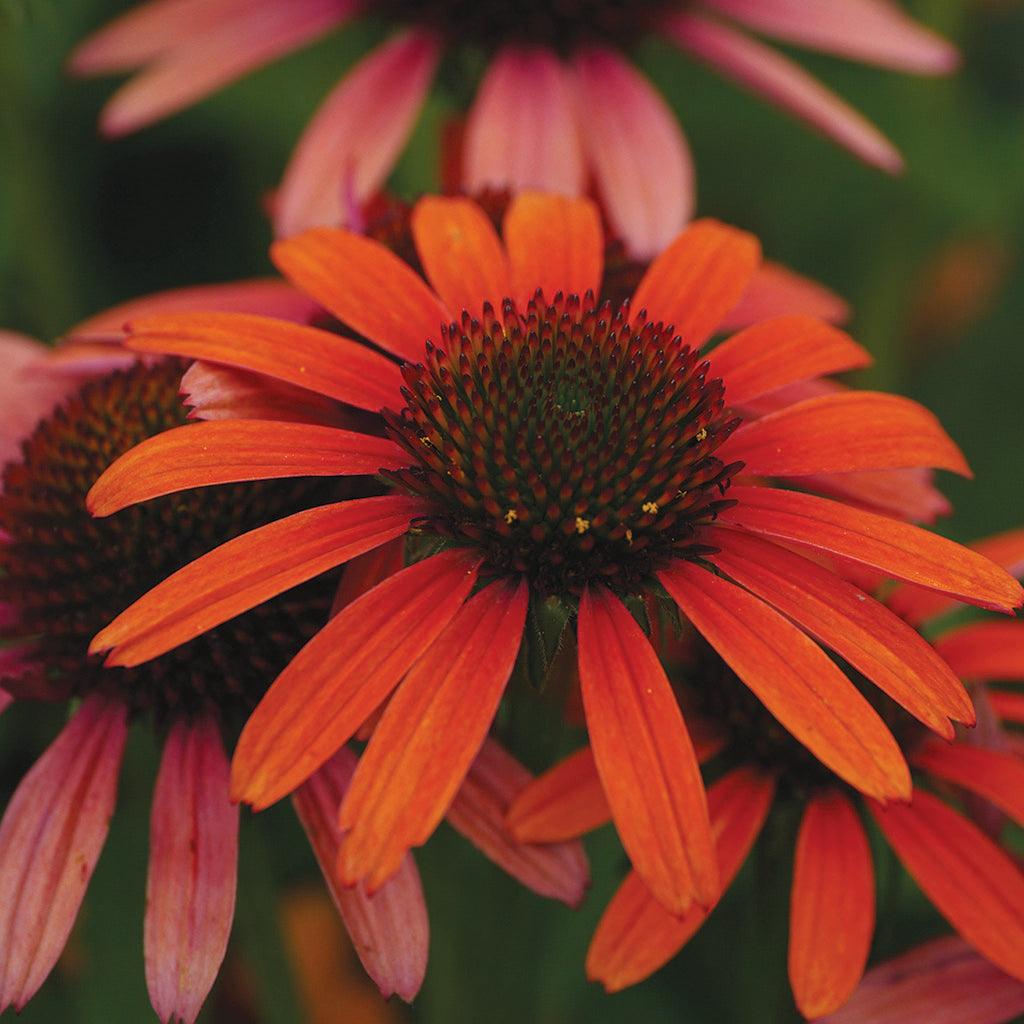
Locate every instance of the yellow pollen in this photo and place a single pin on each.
(582, 525)
(702, 434)
(629, 536)
(511, 516)
(650, 507)
(424, 439)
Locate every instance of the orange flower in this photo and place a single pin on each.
(548, 456)
(969, 878)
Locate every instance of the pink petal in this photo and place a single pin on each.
(225, 393)
(777, 79)
(206, 62)
(776, 291)
(6, 700)
(871, 31)
(390, 931)
(193, 864)
(351, 144)
(941, 982)
(636, 150)
(522, 132)
(50, 839)
(558, 870)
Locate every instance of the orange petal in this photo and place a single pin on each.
(985, 650)
(996, 775)
(788, 349)
(636, 934)
(311, 358)
(565, 802)
(430, 734)
(917, 605)
(365, 285)
(832, 905)
(857, 627)
(896, 549)
(390, 932)
(776, 291)
(555, 244)
(794, 679)
(461, 253)
(698, 279)
(905, 493)
(227, 451)
(644, 756)
(249, 570)
(941, 982)
(1008, 706)
(319, 701)
(844, 433)
(557, 870)
(974, 884)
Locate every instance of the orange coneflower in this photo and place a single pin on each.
(560, 104)
(549, 459)
(970, 879)
(62, 575)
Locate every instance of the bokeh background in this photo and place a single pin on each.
(931, 263)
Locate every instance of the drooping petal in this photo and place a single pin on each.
(366, 286)
(193, 867)
(430, 734)
(773, 77)
(224, 393)
(776, 291)
(348, 149)
(50, 839)
(870, 31)
(844, 433)
(200, 65)
(304, 356)
(319, 701)
(558, 870)
(249, 570)
(1008, 706)
(973, 883)
(636, 150)
(390, 930)
(917, 605)
(644, 756)
(985, 650)
(565, 802)
(908, 494)
(772, 354)
(227, 451)
(461, 253)
(794, 679)
(261, 296)
(860, 629)
(636, 934)
(522, 133)
(941, 982)
(554, 244)
(696, 281)
(894, 548)
(995, 775)
(832, 905)
(6, 700)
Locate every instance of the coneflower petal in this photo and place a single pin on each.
(249, 570)
(50, 839)
(193, 867)
(832, 905)
(390, 932)
(985, 650)
(644, 756)
(430, 734)
(794, 679)
(344, 673)
(776, 291)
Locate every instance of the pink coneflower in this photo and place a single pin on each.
(560, 107)
(63, 574)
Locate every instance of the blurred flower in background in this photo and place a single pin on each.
(558, 108)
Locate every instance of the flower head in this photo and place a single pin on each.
(548, 65)
(547, 456)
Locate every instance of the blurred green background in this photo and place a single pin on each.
(931, 263)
